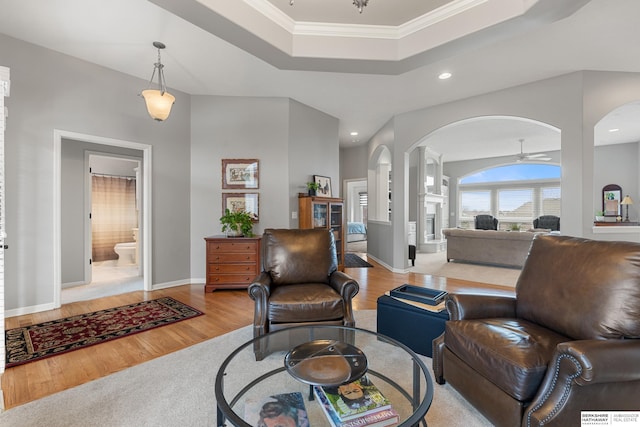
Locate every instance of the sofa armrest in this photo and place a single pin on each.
(472, 306)
(604, 373)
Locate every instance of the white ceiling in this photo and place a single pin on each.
(541, 39)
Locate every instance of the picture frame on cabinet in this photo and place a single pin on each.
(324, 185)
(240, 173)
(249, 202)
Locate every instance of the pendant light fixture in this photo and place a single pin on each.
(159, 101)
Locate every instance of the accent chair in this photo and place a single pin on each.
(550, 222)
(568, 341)
(485, 222)
(299, 284)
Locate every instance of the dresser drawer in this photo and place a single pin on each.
(227, 247)
(229, 279)
(231, 258)
(213, 268)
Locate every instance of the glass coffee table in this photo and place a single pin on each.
(395, 370)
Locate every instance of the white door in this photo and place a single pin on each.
(4, 91)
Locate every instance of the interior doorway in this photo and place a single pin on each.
(113, 215)
(357, 209)
(72, 232)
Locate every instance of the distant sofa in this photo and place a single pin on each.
(505, 248)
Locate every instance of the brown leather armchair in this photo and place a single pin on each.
(567, 342)
(300, 283)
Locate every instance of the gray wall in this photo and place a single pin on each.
(292, 142)
(54, 91)
(72, 201)
(617, 164)
(573, 103)
(313, 150)
(353, 162)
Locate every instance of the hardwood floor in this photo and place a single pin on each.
(225, 311)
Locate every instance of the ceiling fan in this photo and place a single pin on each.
(543, 157)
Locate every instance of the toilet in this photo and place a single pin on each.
(126, 253)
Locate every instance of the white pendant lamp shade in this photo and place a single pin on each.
(158, 104)
(158, 101)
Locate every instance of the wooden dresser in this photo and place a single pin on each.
(232, 262)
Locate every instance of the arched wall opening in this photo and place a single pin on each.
(440, 159)
(616, 146)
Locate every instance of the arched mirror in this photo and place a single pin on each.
(611, 198)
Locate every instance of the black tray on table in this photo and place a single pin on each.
(419, 294)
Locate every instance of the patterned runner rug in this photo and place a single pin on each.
(47, 339)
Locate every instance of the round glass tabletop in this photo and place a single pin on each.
(286, 365)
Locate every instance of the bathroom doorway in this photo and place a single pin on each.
(113, 210)
(125, 264)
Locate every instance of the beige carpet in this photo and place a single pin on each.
(360, 246)
(178, 390)
(437, 265)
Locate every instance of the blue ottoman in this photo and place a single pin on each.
(412, 326)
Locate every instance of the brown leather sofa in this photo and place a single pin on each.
(567, 342)
(300, 284)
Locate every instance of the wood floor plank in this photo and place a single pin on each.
(225, 311)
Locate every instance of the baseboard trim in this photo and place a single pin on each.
(28, 310)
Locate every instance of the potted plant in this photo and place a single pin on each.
(237, 223)
(312, 187)
(515, 227)
(599, 216)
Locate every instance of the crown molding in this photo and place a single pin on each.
(327, 29)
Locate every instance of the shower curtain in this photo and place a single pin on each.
(113, 214)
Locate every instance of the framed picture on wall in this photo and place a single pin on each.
(248, 202)
(240, 173)
(324, 185)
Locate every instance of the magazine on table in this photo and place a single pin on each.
(377, 418)
(355, 399)
(277, 410)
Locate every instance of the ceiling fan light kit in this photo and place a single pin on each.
(360, 4)
(543, 157)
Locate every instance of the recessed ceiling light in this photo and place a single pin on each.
(444, 76)
(354, 134)
(614, 130)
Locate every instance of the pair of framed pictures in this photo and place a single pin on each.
(241, 174)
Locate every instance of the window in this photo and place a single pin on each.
(474, 203)
(550, 201)
(515, 194)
